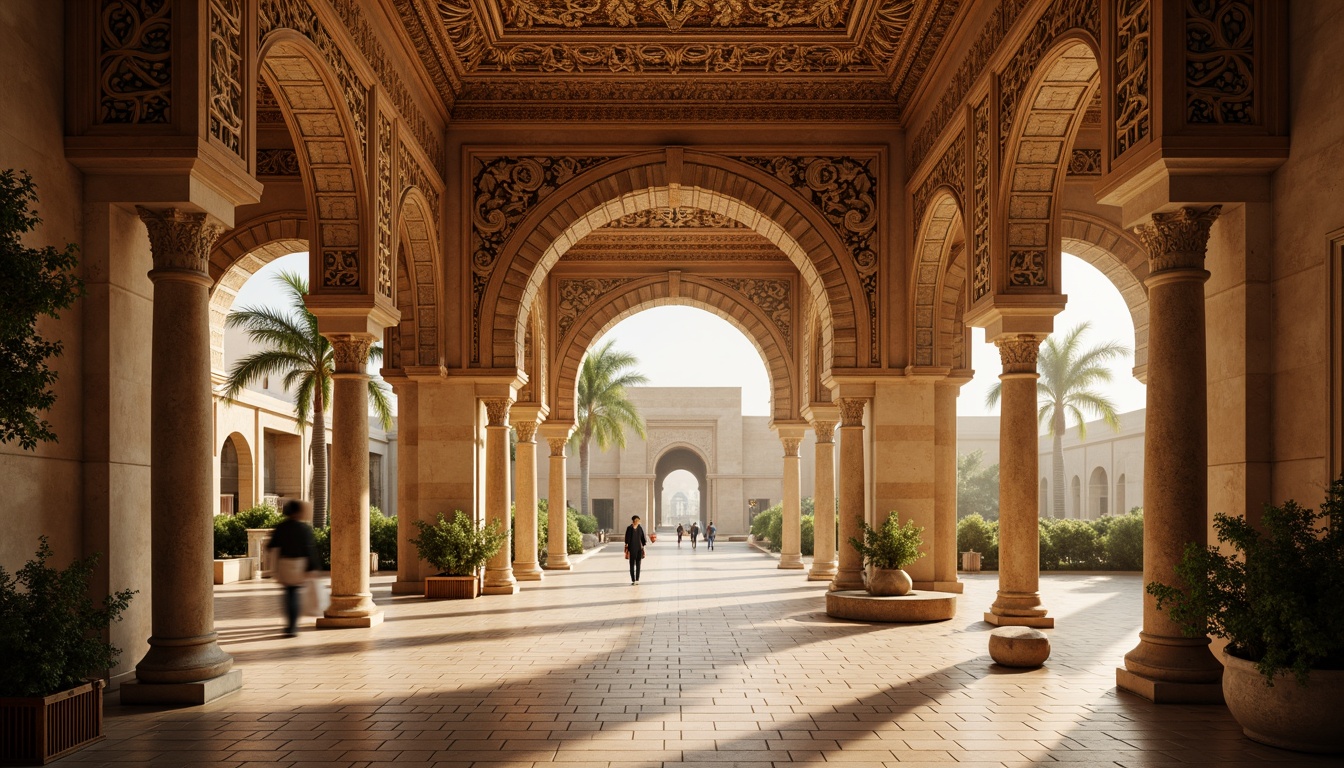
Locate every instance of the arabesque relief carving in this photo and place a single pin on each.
(774, 297)
(1027, 268)
(383, 181)
(410, 174)
(277, 162)
(577, 295)
(949, 172)
(135, 65)
(1085, 162)
(1132, 80)
(1220, 62)
(674, 14)
(980, 231)
(675, 218)
(340, 268)
(226, 74)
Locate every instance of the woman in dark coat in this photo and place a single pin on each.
(635, 541)
(297, 557)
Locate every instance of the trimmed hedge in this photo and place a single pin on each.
(768, 526)
(231, 530)
(1105, 544)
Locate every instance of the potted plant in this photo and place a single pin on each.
(1278, 599)
(458, 548)
(52, 641)
(888, 550)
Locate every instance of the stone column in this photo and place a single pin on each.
(557, 553)
(791, 555)
(945, 486)
(184, 664)
(650, 511)
(1019, 598)
(525, 567)
(409, 581)
(499, 571)
(849, 573)
(823, 558)
(1166, 666)
(351, 599)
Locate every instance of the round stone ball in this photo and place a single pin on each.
(1019, 646)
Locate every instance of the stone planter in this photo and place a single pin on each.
(1290, 716)
(970, 562)
(229, 570)
(373, 562)
(35, 731)
(451, 587)
(889, 582)
(256, 549)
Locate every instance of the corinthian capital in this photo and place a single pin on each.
(825, 431)
(1178, 239)
(558, 445)
(180, 240)
(851, 411)
(527, 430)
(350, 352)
(791, 445)
(1018, 353)
(497, 411)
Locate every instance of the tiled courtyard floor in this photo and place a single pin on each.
(715, 659)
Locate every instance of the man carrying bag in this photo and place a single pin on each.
(297, 562)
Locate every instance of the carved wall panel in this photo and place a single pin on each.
(410, 174)
(383, 181)
(277, 162)
(1085, 162)
(1220, 62)
(774, 297)
(135, 64)
(577, 295)
(950, 172)
(226, 73)
(675, 218)
(1132, 79)
(980, 229)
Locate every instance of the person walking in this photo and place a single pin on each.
(635, 541)
(710, 533)
(695, 533)
(297, 557)
(681, 531)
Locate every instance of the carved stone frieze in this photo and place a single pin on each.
(350, 352)
(791, 446)
(1018, 353)
(1085, 162)
(528, 392)
(980, 230)
(698, 249)
(277, 162)
(1220, 62)
(226, 73)
(577, 295)
(180, 240)
(825, 431)
(674, 15)
(675, 218)
(774, 297)
(497, 411)
(949, 172)
(135, 66)
(340, 268)
(851, 411)
(1179, 239)
(1132, 49)
(383, 190)
(1027, 268)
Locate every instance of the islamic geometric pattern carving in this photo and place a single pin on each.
(1220, 62)
(1132, 79)
(980, 231)
(773, 297)
(383, 175)
(844, 190)
(226, 73)
(1179, 239)
(135, 61)
(576, 296)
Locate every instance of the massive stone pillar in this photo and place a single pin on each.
(849, 573)
(823, 541)
(790, 547)
(499, 571)
(1166, 666)
(351, 599)
(945, 486)
(557, 553)
(525, 566)
(184, 664)
(1019, 598)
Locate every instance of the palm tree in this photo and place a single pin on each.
(1065, 390)
(292, 347)
(603, 409)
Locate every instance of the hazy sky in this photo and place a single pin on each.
(687, 347)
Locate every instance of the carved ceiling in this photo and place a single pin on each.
(498, 52)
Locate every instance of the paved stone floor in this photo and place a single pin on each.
(715, 659)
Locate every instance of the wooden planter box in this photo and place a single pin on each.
(451, 587)
(35, 731)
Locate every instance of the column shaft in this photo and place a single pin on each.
(557, 550)
(409, 580)
(1019, 599)
(945, 487)
(525, 566)
(849, 573)
(351, 599)
(790, 552)
(823, 540)
(499, 571)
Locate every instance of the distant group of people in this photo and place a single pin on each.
(711, 533)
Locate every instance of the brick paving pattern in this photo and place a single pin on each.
(715, 659)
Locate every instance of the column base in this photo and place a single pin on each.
(1035, 622)
(1163, 692)
(350, 622)
(791, 562)
(847, 580)
(183, 694)
(499, 589)
(408, 587)
(562, 564)
(821, 571)
(526, 572)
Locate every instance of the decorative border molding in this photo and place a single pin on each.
(1133, 114)
(383, 197)
(980, 224)
(772, 296)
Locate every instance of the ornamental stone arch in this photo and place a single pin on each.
(937, 299)
(839, 270)
(1123, 260)
(621, 298)
(416, 341)
(239, 254)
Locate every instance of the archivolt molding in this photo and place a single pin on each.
(239, 254)
(664, 438)
(421, 292)
(1123, 259)
(939, 232)
(773, 296)
(948, 173)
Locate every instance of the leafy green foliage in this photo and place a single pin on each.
(977, 486)
(587, 523)
(37, 282)
(891, 546)
(322, 536)
(604, 411)
(1108, 543)
(573, 536)
(1278, 598)
(809, 534)
(1075, 545)
(383, 538)
(231, 530)
(458, 547)
(1123, 542)
(975, 534)
(769, 525)
(51, 634)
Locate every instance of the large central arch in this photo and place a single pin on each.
(681, 457)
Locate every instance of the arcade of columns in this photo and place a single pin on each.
(884, 252)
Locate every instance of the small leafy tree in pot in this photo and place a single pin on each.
(457, 547)
(888, 550)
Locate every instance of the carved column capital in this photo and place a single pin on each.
(350, 352)
(180, 240)
(1178, 239)
(497, 411)
(527, 430)
(851, 411)
(825, 431)
(791, 445)
(558, 446)
(1018, 353)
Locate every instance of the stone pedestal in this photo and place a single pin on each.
(499, 578)
(184, 663)
(351, 598)
(256, 549)
(557, 551)
(1019, 599)
(790, 546)
(823, 547)
(525, 566)
(1166, 666)
(849, 572)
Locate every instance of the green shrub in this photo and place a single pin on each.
(51, 635)
(975, 534)
(383, 538)
(891, 546)
(323, 538)
(1075, 545)
(230, 537)
(1123, 542)
(573, 536)
(587, 523)
(809, 532)
(260, 516)
(760, 524)
(457, 547)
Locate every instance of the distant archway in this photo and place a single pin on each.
(1075, 498)
(236, 472)
(1120, 507)
(1044, 498)
(681, 457)
(1098, 495)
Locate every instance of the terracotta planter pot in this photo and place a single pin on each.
(889, 582)
(451, 587)
(1290, 716)
(35, 731)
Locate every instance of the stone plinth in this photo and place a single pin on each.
(920, 605)
(1019, 647)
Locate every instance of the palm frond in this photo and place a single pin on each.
(254, 367)
(382, 406)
